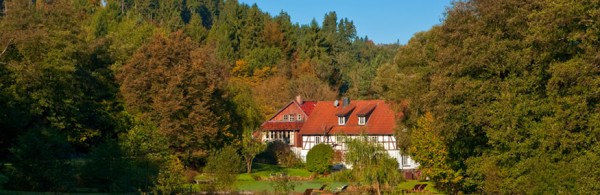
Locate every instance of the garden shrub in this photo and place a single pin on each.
(171, 178)
(279, 153)
(224, 165)
(282, 183)
(319, 158)
(343, 176)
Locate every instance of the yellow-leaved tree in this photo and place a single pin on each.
(430, 151)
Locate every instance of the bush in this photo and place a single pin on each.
(282, 183)
(319, 158)
(223, 166)
(171, 177)
(279, 153)
(343, 176)
(107, 170)
(40, 159)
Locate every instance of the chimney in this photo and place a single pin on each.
(345, 101)
(299, 100)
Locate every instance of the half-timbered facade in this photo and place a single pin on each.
(335, 122)
(286, 123)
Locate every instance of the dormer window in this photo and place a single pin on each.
(341, 120)
(362, 120)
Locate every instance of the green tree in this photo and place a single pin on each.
(427, 148)
(170, 179)
(147, 152)
(512, 89)
(223, 165)
(59, 79)
(319, 158)
(371, 163)
(251, 146)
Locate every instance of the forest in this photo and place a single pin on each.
(129, 95)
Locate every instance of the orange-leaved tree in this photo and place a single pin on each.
(170, 81)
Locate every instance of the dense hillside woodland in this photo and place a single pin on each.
(123, 95)
(503, 97)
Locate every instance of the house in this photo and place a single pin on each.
(333, 122)
(285, 125)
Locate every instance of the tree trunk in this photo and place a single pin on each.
(249, 166)
(378, 188)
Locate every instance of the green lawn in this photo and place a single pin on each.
(247, 182)
(300, 186)
(265, 171)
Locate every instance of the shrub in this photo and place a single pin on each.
(282, 183)
(223, 166)
(190, 175)
(171, 177)
(343, 176)
(40, 159)
(280, 153)
(107, 170)
(319, 158)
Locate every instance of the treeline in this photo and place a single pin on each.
(124, 95)
(503, 97)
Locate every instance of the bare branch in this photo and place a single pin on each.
(6, 48)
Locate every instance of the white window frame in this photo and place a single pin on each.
(317, 140)
(285, 117)
(292, 118)
(341, 120)
(405, 162)
(299, 117)
(362, 120)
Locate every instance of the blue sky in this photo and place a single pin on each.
(383, 21)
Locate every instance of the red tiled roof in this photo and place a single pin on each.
(344, 111)
(366, 110)
(308, 107)
(380, 121)
(276, 125)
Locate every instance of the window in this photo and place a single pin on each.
(341, 120)
(362, 120)
(373, 138)
(405, 161)
(317, 140)
(299, 117)
(285, 117)
(292, 118)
